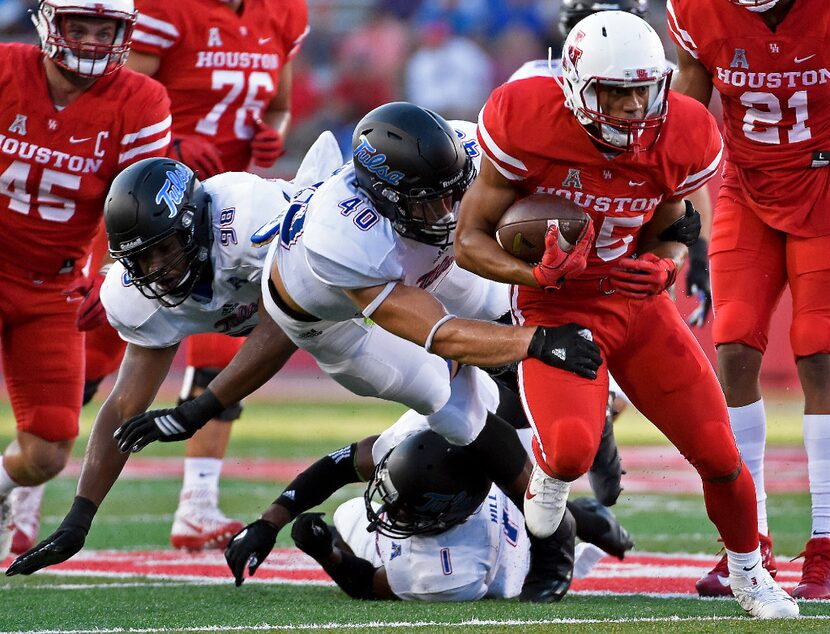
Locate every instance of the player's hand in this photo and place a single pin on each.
(249, 548)
(168, 425)
(91, 313)
(642, 277)
(557, 265)
(697, 282)
(267, 145)
(685, 229)
(66, 541)
(197, 153)
(570, 347)
(312, 535)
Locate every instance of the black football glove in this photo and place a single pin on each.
(65, 542)
(697, 282)
(168, 425)
(685, 229)
(312, 535)
(249, 548)
(569, 347)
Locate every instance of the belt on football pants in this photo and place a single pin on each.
(286, 308)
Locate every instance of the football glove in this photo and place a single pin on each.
(67, 540)
(91, 313)
(569, 347)
(267, 145)
(197, 153)
(697, 282)
(558, 265)
(312, 535)
(685, 229)
(168, 425)
(249, 548)
(642, 277)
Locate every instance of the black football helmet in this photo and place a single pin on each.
(410, 163)
(148, 203)
(572, 11)
(424, 485)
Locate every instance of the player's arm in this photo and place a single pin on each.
(144, 63)
(692, 78)
(278, 113)
(139, 378)
(270, 129)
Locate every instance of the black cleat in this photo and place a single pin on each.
(551, 564)
(606, 472)
(596, 524)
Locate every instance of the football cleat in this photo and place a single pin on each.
(761, 597)
(199, 524)
(25, 503)
(715, 583)
(545, 503)
(551, 564)
(606, 471)
(815, 573)
(6, 527)
(597, 525)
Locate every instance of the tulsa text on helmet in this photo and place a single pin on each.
(223, 59)
(46, 156)
(789, 79)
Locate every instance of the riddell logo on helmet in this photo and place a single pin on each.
(125, 246)
(375, 162)
(174, 188)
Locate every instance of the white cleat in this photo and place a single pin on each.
(199, 524)
(544, 505)
(25, 503)
(6, 527)
(761, 597)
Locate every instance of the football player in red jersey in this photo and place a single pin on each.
(768, 59)
(616, 142)
(66, 131)
(226, 65)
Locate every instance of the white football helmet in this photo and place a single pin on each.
(95, 60)
(615, 49)
(756, 6)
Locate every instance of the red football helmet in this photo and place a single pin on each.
(87, 60)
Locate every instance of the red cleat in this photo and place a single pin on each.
(715, 583)
(815, 573)
(199, 524)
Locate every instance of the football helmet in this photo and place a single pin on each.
(756, 6)
(615, 49)
(410, 163)
(148, 203)
(87, 60)
(424, 485)
(572, 11)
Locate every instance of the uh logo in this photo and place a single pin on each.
(173, 190)
(375, 162)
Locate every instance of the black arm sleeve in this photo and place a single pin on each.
(354, 575)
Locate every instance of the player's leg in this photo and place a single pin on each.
(103, 350)
(199, 522)
(809, 275)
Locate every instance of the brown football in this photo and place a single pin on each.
(521, 230)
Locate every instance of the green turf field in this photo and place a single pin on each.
(138, 513)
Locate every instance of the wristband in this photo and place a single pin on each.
(202, 408)
(81, 513)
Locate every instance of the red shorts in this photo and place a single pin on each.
(751, 263)
(43, 357)
(657, 362)
(212, 350)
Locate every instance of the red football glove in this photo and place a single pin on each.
(91, 313)
(266, 146)
(197, 153)
(558, 265)
(640, 278)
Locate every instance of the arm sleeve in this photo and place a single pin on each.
(147, 128)
(297, 28)
(708, 161)
(493, 138)
(675, 14)
(156, 31)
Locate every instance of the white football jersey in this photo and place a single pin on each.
(332, 239)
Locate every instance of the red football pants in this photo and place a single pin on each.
(659, 365)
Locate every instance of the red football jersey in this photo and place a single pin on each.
(220, 68)
(775, 90)
(56, 165)
(533, 139)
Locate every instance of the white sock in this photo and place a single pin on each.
(749, 425)
(201, 473)
(6, 482)
(817, 444)
(743, 564)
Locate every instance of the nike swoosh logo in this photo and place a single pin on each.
(72, 139)
(196, 528)
(529, 495)
(264, 40)
(751, 567)
(635, 184)
(798, 60)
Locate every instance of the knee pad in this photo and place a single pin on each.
(810, 334)
(739, 322)
(726, 478)
(200, 378)
(473, 395)
(52, 423)
(570, 447)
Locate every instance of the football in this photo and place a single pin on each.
(521, 230)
